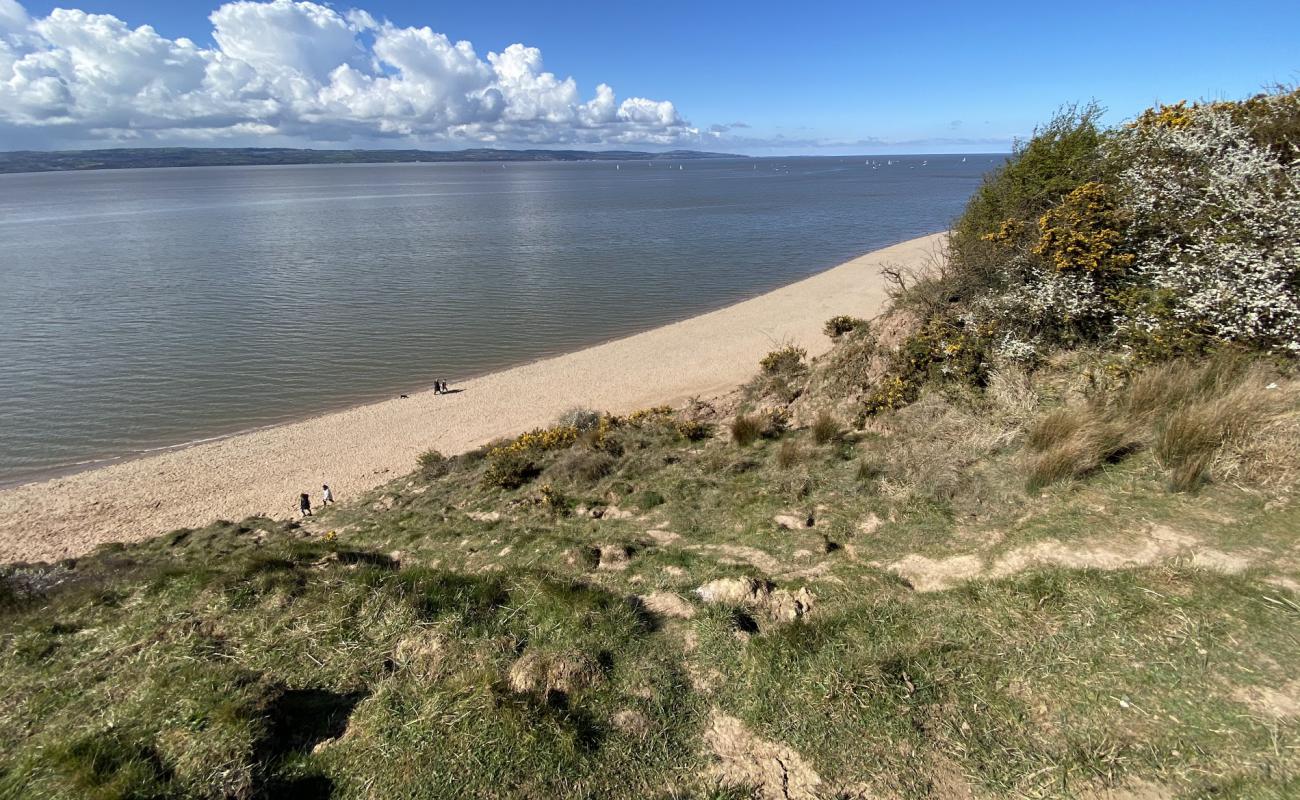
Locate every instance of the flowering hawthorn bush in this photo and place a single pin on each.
(1184, 233)
(1215, 226)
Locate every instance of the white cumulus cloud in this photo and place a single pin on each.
(295, 70)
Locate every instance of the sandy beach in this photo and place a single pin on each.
(363, 447)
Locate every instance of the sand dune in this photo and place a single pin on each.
(363, 447)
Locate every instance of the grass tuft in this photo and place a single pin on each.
(790, 454)
(826, 428)
(745, 429)
(1190, 437)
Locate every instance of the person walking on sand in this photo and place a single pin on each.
(304, 504)
(326, 496)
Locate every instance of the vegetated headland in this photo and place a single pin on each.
(1029, 531)
(143, 157)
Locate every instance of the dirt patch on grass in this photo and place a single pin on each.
(774, 771)
(781, 605)
(546, 673)
(933, 574)
(632, 722)
(1155, 544)
(668, 604)
(613, 557)
(662, 537)
(759, 559)
(1279, 703)
(1132, 790)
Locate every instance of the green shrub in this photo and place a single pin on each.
(837, 326)
(693, 430)
(1003, 214)
(509, 468)
(433, 464)
(784, 361)
(556, 501)
(583, 465)
(580, 419)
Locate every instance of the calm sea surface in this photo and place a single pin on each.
(142, 309)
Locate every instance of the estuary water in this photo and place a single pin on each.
(144, 309)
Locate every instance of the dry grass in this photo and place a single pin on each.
(826, 428)
(1192, 416)
(1157, 391)
(790, 454)
(1011, 395)
(1190, 438)
(583, 466)
(1074, 441)
(932, 446)
(745, 429)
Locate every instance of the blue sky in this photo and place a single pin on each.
(816, 77)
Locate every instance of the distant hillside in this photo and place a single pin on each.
(136, 158)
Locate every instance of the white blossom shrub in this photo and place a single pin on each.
(1169, 236)
(1215, 226)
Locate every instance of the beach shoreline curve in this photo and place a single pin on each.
(360, 448)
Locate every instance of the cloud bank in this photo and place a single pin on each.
(295, 71)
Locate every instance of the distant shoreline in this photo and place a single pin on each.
(23, 162)
(361, 448)
(28, 161)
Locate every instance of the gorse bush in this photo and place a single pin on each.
(693, 430)
(785, 360)
(510, 469)
(837, 326)
(516, 462)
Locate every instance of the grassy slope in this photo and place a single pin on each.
(400, 647)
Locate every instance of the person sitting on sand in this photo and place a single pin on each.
(326, 496)
(304, 504)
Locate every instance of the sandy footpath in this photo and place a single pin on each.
(363, 447)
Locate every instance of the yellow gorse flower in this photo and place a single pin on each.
(1084, 232)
